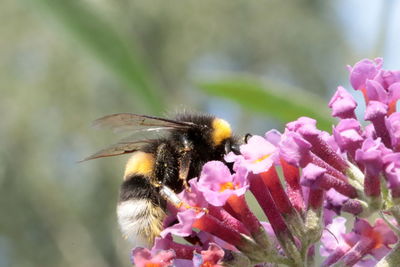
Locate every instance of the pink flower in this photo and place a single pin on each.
(376, 113)
(388, 77)
(347, 135)
(217, 183)
(342, 104)
(376, 92)
(273, 136)
(380, 236)
(184, 226)
(311, 173)
(294, 149)
(207, 239)
(393, 126)
(182, 251)
(257, 156)
(370, 155)
(375, 109)
(142, 257)
(317, 178)
(324, 175)
(194, 197)
(300, 123)
(392, 172)
(212, 257)
(364, 70)
(352, 247)
(394, 93)
(333, 237)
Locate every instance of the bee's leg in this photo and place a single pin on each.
(184, 166)
(185, 160)
(171, 169)
(175, 200)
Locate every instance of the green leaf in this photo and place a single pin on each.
(106, 44)
(285, 105)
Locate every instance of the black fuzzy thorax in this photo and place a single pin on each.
(203, 150)
(167, 152)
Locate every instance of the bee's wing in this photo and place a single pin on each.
(134, 122)
(118, 149)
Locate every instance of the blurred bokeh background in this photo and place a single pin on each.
(64, 63)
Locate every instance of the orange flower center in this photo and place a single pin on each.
(377, 238)
(207, 264)
(262, 158)
(227, 185)
(151, 264)
(392, 107)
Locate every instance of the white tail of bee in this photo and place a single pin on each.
(140, 221)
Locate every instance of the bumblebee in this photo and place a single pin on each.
(168, 162)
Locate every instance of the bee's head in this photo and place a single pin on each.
(232, 145)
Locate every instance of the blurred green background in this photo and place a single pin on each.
(64, 63)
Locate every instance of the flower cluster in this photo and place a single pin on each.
(303, 180)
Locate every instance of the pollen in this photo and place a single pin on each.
(262, 158)
(227, 185)
(377, 237)
(221, 131)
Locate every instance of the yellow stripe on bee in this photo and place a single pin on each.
(140, 163)
(221, 131)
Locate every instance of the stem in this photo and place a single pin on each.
(392, 259)
(304, 253)
(278, 224)
(313, 223)
(281, 199)
(264, 198)
(310, 256)
(395, 210)
(235, 259)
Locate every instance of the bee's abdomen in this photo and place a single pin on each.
(140, 163)
(140, 211)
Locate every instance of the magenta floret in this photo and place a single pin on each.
(303, 180)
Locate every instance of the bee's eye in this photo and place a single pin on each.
(229, 146)
(235, 148)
